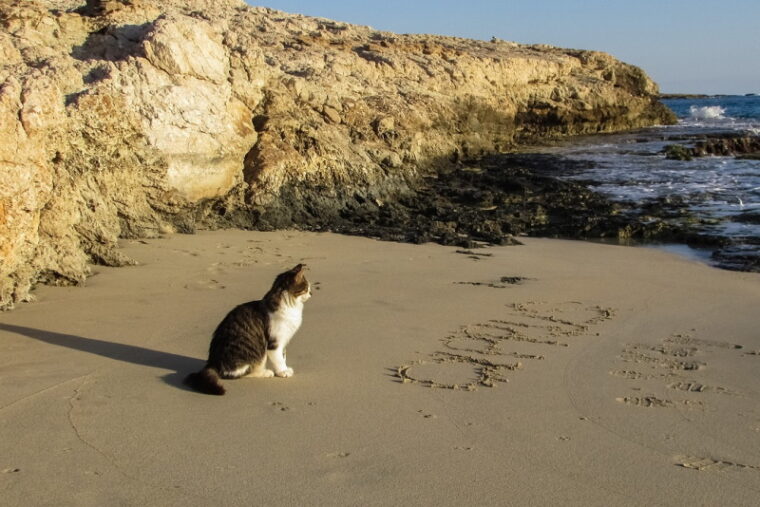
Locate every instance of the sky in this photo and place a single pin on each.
(686, 46)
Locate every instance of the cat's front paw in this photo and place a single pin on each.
(287, 372)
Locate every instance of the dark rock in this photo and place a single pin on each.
(490, 200)
(748, 217)
(739, 257)
(728, 145)
(689, 96)
(724, 145)
(678, 152)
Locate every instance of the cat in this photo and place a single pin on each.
(253, 332)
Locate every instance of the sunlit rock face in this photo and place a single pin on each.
(131, 118)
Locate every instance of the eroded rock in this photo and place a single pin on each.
(126, 118)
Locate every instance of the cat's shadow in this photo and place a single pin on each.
(179, 365)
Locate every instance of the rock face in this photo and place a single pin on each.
(134, 118)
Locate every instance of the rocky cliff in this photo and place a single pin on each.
(136, 118)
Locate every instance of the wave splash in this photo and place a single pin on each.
(707, 113)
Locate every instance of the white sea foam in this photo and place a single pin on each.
(719, 191)
(715, 117)
(707, 113)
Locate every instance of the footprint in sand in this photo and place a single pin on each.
(472, 358)
(245, 258)
(426, 415)
(216, 268)
(187, 253)
(205, 285)
(249, 256)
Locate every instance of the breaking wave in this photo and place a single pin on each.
(707, 113)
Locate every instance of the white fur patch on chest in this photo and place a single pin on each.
(284, 323)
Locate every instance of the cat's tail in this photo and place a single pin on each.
(206, 381)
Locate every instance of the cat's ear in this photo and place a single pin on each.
(300, 271)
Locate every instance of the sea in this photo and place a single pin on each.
(722, 192)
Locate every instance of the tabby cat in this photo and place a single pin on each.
(253, 332)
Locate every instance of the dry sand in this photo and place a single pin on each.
(607, 376)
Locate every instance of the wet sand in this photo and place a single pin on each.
(557, 372)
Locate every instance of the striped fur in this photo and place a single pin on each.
(253, 332)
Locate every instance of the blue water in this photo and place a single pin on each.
(719, 190)
(726, 112)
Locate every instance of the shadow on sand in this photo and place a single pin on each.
(180, 365)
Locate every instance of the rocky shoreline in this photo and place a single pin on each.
(133, 119)
(495, 200)
(491, 200)
(738, 145)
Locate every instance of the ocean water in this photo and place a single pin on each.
(723, 192)
(725, 113)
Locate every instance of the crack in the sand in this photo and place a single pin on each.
(109, 459)
(70, 416)
(43, 390)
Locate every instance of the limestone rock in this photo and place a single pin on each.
(127, 118)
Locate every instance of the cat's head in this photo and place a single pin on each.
(294, 283)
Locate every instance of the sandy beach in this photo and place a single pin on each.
(553, 373)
